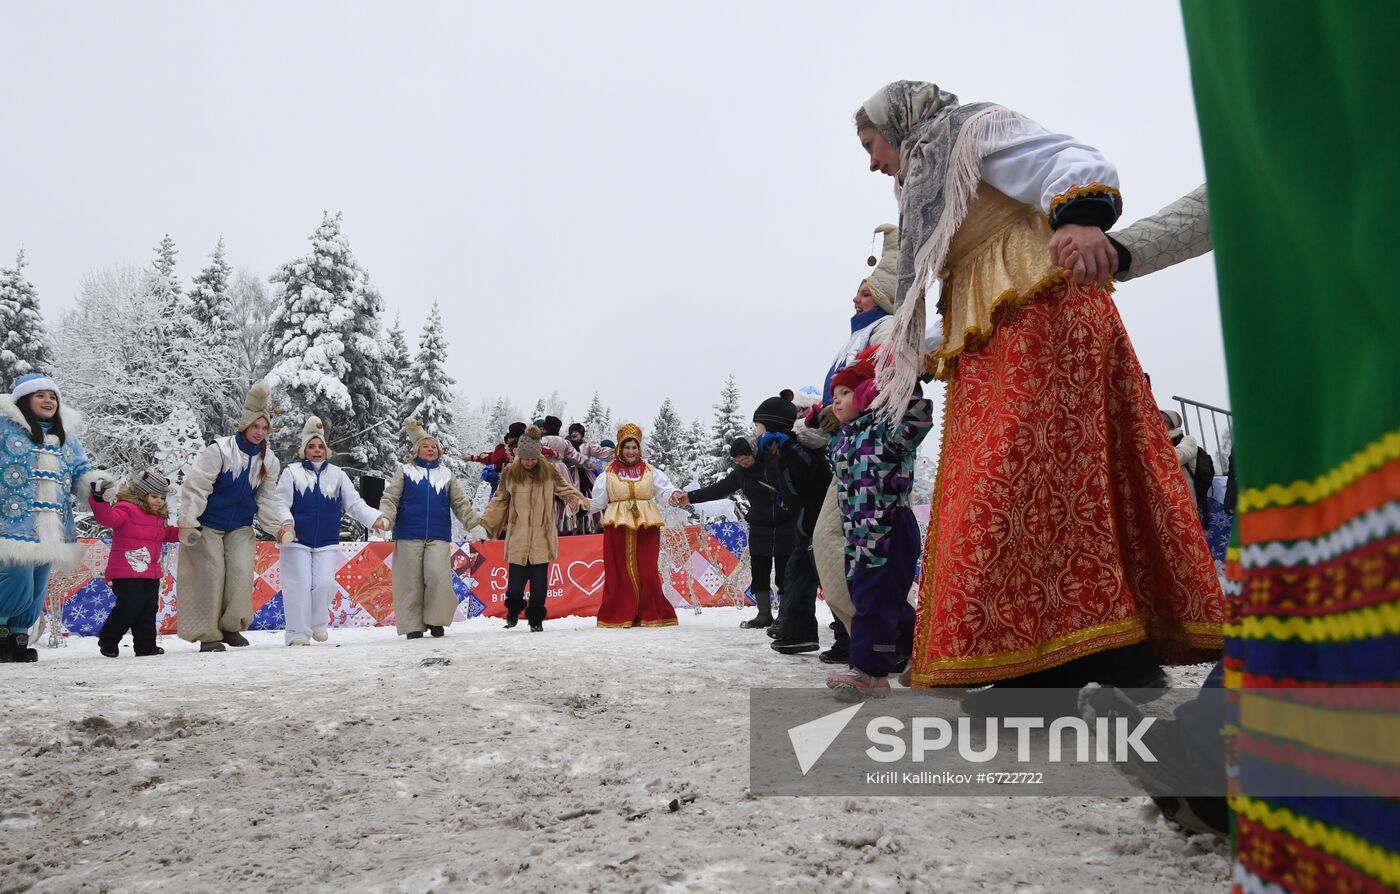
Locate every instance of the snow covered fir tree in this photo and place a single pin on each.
(207, 311)
(730, 422)
(326, 346)
(24, 341)
(400, 363)
(665, 446)
(429, 397)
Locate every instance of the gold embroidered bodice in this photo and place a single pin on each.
(630, 503)
(999, 259)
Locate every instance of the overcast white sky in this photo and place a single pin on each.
(638, 198)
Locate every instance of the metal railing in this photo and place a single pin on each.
(1218, 439)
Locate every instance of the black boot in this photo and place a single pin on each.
(108, 650)
(511, 620)
(536, 627)
(417, 634)
(436, 630)
(777, 626)
(19, 649)
(793, 642)
(4, 645)
(764, 600)
(211, 647)
(235, 639)
(840, 651)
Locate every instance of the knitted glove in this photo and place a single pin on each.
(106, 487)
(772, 441)
(864, 395)
(829, 424)
(812, 419)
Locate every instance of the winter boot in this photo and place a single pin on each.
(536, 627)
(763, 599)
(840, 651)
(777, 626)
(299, 641)
(417, 634)
(4, 645)
(320, 636)
(156, 651)
(235, 639)
(511, 620)
(211, 647)
(108, 650)
(795, 645)
(436, 630)
(20, 652)
(854, 684)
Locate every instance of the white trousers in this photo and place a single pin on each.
(308, 584)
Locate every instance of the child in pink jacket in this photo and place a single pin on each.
(140, 529)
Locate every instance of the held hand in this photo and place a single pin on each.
(108, 490)
(1085, 253)
(381, 525)
(286, 534)
(190, 536)
(573, 505)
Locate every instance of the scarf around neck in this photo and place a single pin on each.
(941, 146)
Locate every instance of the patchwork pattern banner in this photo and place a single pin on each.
(700, 566)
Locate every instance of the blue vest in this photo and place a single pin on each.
(425, 509)
(316, 503)
(231, 503)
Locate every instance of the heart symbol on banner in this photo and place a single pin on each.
(587, 576)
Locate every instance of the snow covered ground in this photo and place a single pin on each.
(500, 758)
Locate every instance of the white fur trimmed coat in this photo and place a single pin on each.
(38, 486)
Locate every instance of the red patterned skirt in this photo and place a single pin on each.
(1062, 524)
(632, 594)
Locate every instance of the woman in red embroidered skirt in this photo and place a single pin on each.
(1064, 547)
(627, 494)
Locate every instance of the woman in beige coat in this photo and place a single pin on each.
(525, 501)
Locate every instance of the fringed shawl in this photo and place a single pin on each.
(941, 146)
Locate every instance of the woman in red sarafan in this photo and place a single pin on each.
(1064, 547)
(628, 494)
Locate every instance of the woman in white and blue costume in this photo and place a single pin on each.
(319, 494)
(42, 468)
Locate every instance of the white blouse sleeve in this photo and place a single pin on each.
(1036, 166)
(598, 500)
(664, 487)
